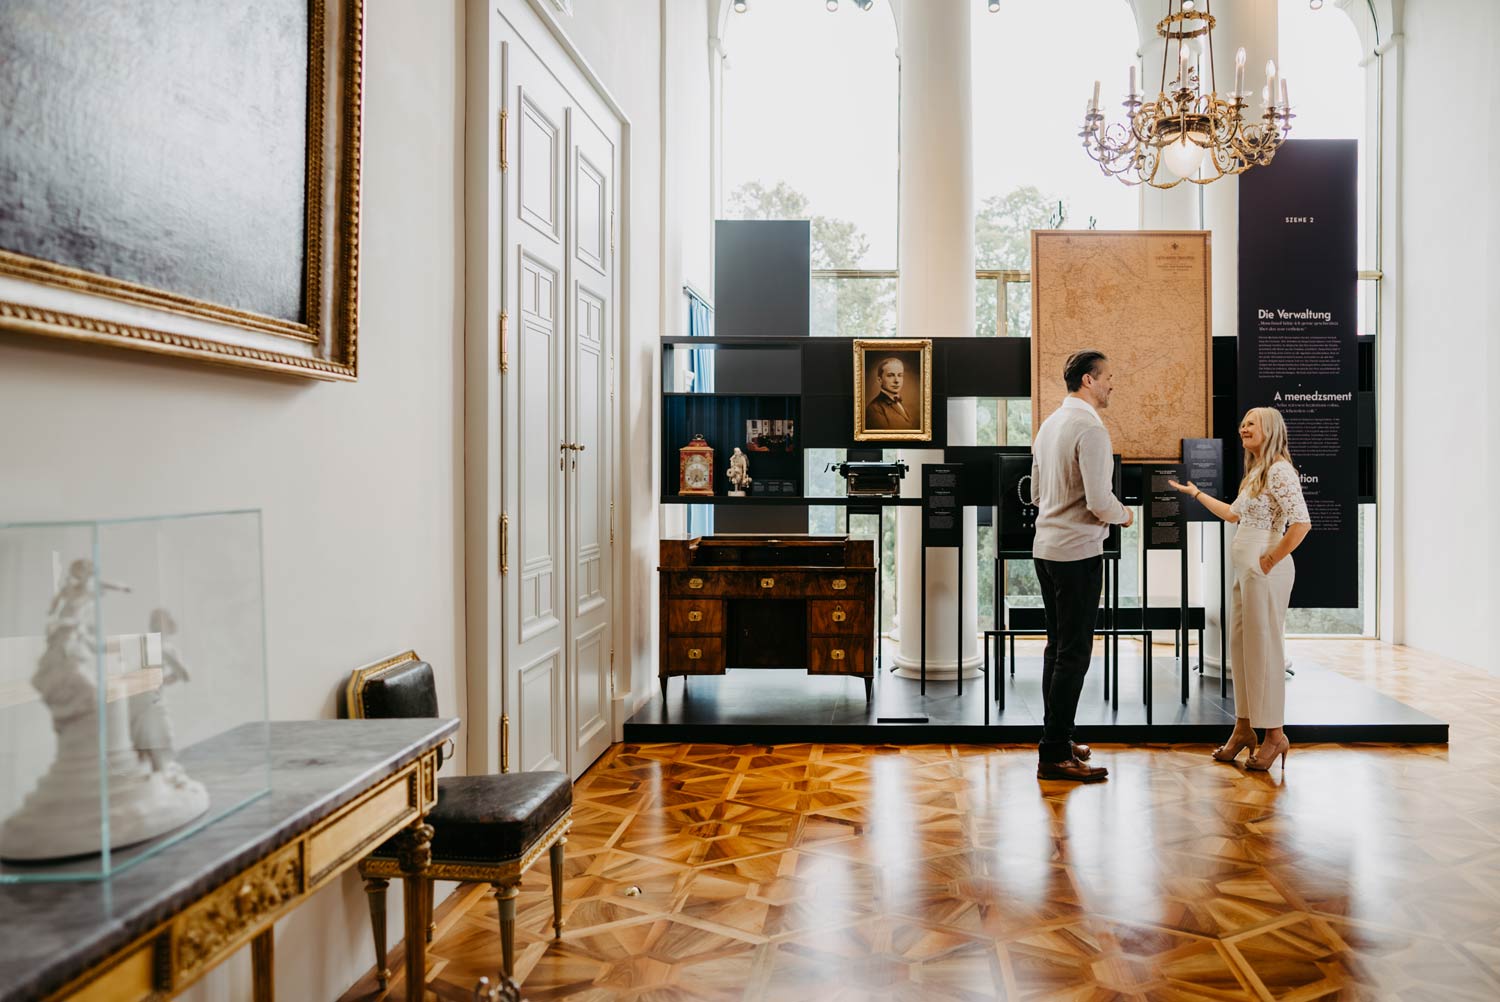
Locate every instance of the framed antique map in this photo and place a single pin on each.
(184, 179)
(1143, 298)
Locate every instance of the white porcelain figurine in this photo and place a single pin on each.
(148, 793)
(739, 473)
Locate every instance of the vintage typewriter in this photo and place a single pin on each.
(872, 478)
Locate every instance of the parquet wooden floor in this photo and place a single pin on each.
(832, 873)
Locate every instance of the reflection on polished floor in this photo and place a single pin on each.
(933, 872)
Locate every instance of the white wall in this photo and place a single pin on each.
(1449, 358)
(360, 484)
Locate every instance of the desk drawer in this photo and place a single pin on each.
(837, 616)
(838, 656)
(840, 584)
(695, 616)
(695, 655)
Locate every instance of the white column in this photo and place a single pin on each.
(1214, 207)
(935, 298)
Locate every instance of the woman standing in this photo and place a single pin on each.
(1272, 519)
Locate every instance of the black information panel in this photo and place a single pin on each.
(942, 521)
(1016, 513)
(1297, 343)
(1164, 521)
(1203, 463)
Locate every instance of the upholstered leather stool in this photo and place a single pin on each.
(485, 828)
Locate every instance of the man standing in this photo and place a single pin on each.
(1072, 468)
(885, 410)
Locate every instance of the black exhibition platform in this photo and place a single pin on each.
(780, 706)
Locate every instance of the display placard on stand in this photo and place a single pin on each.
(943, 526)
(941, 521)
(1203, 462)
(1164, 511)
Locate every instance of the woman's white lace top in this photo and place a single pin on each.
(1279, 505)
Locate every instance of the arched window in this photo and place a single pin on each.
(1032, 77)
(1320, 54)
(810, 123)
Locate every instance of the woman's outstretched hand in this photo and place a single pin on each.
(1187, 488)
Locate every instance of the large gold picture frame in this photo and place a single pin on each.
(876, 417)
(52, 299)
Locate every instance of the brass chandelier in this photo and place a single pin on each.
(1184, 131)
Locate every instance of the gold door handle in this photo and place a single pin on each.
(768, 582)
(695, 583)
(839, 584)
(562, 448)
(695, 616)
(838, 654)
(839, 615)
(695, 654)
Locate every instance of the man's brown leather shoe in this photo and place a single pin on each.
(1082, 752)
(1071, 769)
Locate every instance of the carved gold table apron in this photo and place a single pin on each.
(339, 788)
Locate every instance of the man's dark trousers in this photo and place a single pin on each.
(1070, 596)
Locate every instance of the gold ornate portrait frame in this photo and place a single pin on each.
(863, 347)
(55, 300)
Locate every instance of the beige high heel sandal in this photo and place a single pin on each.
(1230, 750)
(1257, 765)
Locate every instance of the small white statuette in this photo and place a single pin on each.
(148, 793)
(738, 474)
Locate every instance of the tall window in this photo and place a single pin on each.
(1320, 55)
(811, 118)
(1030, 86)
(810, 125)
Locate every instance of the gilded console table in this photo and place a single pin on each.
(339, 788)
(746, 601)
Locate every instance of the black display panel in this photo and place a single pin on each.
(942, 513)
(762, 277)
(1015, 514)
(1203, 464)
(1164, 510)
(1297, 343)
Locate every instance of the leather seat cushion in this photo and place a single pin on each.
(491, 819)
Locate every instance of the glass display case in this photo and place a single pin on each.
(132, 688)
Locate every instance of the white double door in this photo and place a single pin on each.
(560, 292)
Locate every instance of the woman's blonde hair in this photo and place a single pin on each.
(1272, 451)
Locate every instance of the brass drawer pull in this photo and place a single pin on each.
(839, 584)
(839, 615)
(837, 655)
(696, 616)
(695, 654)
(768, 582)
(695, 583)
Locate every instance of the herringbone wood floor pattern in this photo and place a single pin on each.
(833, 873)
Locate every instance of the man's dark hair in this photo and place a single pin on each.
(1080, 364)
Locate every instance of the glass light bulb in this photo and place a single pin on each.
(833, 5)
(1183, 157)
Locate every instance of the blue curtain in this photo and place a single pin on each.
(700, 372)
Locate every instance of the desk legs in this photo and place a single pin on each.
(415, 856)
(263, 965)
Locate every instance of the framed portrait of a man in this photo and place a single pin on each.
(892, 390)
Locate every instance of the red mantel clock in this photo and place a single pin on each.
(696, 468)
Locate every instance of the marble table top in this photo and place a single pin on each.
(50, 932)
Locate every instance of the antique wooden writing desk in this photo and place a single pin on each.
(339, 788)
(768, 602)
